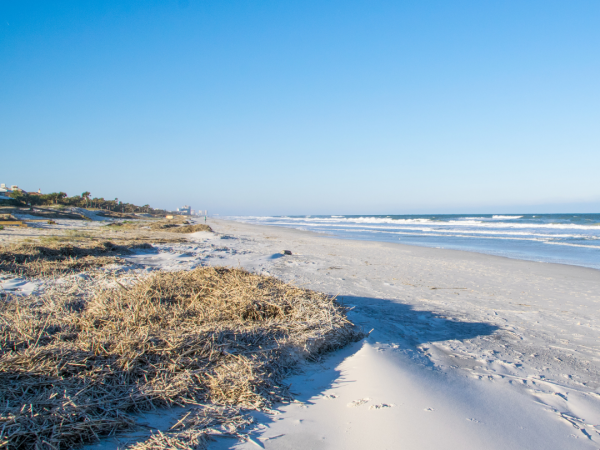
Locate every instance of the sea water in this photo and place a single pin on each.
(556, 238)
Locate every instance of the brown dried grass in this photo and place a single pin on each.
(176, 225)
(194, 430)
(191, 229)
(73, 366)
(55, 257)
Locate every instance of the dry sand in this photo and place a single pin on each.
(468, 351)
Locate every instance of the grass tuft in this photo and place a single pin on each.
(53, 256)
(72, 367)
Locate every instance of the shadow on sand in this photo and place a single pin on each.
(394, 324)
(402, 324)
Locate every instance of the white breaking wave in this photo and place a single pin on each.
(506, 217)
(467, 225)
(492, 234)
(507, 238)
(436, 225)
(597, 247)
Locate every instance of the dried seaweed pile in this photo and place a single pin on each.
(73, 366)
(151, 224)
(163, 225)
(156, 226)
(190, 228)
(55, 258)
(174, 226)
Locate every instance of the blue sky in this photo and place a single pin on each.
(305, 107)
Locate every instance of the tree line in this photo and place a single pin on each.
(85, 200)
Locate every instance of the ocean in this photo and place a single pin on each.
(554, 238)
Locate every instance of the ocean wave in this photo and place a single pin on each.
(531, 239)
(506, 217)
(545, 239)
(369, 220)
(503, 233)
(597, 247)
(466, 222)
(476, 224)
(489, 227)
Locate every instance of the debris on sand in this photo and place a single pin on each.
(191, 229)
(168, 226)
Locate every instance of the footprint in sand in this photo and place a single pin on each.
(380, 406)
(356, 403)
(329, 396)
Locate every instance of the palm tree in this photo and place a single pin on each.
(53, 197)
(86, 196)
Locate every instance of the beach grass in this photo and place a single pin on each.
(74, 363)
(191, 228)
(59, 255)
(176, 225)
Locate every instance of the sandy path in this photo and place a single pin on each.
(508, 350)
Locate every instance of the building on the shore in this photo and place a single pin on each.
(186, 210)
(6, 190)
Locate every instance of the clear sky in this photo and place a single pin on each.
(305, 107)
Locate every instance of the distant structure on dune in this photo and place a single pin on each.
(6, 190)
(188, 211)
(185, 211)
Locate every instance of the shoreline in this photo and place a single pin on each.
(406, 246)
(488, 351)
(525, 241)
(501, 327)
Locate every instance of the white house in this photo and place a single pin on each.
(4, 191)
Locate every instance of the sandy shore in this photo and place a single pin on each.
(467, 350)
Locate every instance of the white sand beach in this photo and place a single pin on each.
(465, 351)
(468, 351)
